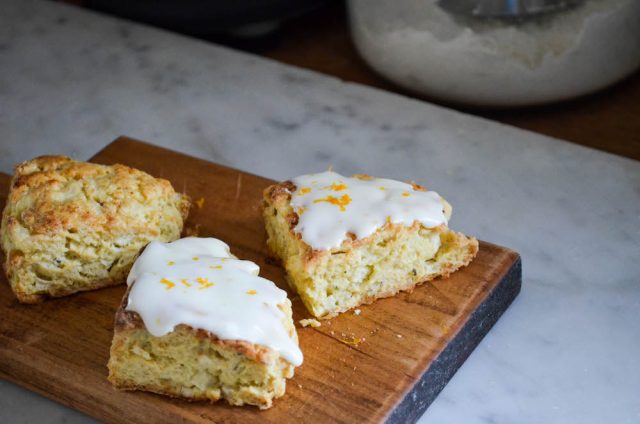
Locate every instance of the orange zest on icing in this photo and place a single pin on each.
(204, 283)
(301, 210)
(168, 283)
(305, 190)
(185, 282)
(406, 194)
(171, 263)
(341, 202)
(252, 292)
(195, 258)
(382, 188)
(216, 267)
(338, 187)
(200, 202)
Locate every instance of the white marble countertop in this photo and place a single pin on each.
(568, 349)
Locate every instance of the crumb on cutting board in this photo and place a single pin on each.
(353, 341)
(192, 230)
(310, 322)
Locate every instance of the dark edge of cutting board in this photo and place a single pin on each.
(424, 392)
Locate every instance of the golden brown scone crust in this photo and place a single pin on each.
(71, 226)
(322, 278)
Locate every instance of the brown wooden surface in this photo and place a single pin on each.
(608, 120)
(60, 348)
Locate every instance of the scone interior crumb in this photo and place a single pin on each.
(310, 322)
(181, 364)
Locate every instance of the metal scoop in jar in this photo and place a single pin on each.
(515, 10)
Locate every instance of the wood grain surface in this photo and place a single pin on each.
(356, 369)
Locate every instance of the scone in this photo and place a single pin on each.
(71, 226)
(199, 324)
(348, 241)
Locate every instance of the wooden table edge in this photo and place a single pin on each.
(414, 403)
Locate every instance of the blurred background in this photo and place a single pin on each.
(316, 34)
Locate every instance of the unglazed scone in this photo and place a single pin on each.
(199, 324)
(348, 241)
(71, 226)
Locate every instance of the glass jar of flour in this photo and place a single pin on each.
(424, 47)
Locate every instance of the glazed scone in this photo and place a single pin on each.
(199, 324)
(71, 226)
(345, 242)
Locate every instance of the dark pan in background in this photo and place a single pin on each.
(247, 24)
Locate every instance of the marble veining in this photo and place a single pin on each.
(568, 349)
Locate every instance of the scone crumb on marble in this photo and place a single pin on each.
(345, 242)
(71, 226)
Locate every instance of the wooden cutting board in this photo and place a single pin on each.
(386, 364)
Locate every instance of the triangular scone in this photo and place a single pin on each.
(345, 241)
(72, 226)
(199, 324)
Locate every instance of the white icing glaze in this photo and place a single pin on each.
(197, 282)
(329, 206)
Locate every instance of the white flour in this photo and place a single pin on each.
(423, 48)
